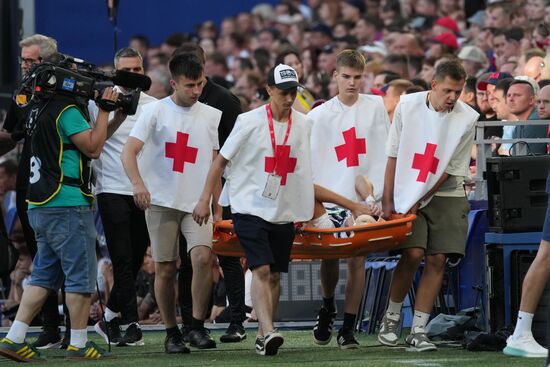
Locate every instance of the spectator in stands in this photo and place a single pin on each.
(216, 66)
(366, 29)
(473, 60)
(468, 94)
(140, 43)
(160, 83)
(239, 67)
(248, 83)
(394, 91)
(507, 44)
(521, 101)
(8, 177)
(497, 15)
(327, 59)
(304, 100)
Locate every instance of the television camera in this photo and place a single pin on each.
(75, 77)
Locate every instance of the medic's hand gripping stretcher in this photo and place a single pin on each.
(328, 243)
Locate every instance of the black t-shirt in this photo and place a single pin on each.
(491, 131)
(218, 97)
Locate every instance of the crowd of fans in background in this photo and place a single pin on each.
(503, 46)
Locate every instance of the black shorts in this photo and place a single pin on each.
(264, 242)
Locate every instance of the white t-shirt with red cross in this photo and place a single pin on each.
(348, 141)
(250, 154)
(426, 144)
(177, 152)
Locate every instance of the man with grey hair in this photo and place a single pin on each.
(34, 50)
(123, 222)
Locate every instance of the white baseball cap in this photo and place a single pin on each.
(283, 77)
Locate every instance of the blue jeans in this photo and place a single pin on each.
(66, 239)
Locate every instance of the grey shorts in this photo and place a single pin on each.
(441, 227)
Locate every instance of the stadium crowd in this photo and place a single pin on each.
(503, 48)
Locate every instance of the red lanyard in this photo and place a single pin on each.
(272, 131)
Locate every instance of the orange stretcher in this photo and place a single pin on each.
(329, 243)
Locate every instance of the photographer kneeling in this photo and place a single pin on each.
(62, 144)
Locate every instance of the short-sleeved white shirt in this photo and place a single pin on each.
(177, 152)
(249, 151)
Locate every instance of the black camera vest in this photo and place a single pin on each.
(46, 176)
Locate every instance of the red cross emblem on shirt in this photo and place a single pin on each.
(285, 163)
(426, 163)
(351, 149)
(180, 152)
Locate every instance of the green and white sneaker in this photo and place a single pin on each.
(19, 352)
(524, 346)
(91, 351)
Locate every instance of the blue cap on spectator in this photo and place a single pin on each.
(322, 28)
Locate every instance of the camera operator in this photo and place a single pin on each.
(34, 50)
(123, 222)
(59, 197)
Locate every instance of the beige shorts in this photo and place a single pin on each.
(164, 225)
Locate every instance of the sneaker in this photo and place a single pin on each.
(346, 339)
(174, 344)
(49, 338)
(322, 332)
(234, 334)
(66, 340)
(524, 346)
(110, 331)
(201, 339)
(419, 342)
(269, 344)
(259, 345)
(19, 352)
(133, 336)
(185, 330)
(388, 331)
(90, 351)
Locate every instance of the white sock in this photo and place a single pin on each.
(523, 325)
(109, 315)
(79, 338)
(322, 222)
(420, 320)
(17, 332)
(394, 310)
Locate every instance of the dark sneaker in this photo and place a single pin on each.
(346, 339)
(270, 343)
(66, 340)
(185, 330)
(322, 332)
(109, 331)
(19, 352)
(201, 339)
(49, 338)
(259, 345)
(234, 334)
(133, 336)
(91, 351)
(174, 344)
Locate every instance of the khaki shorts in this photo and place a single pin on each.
(164, 225)
(440, 227)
